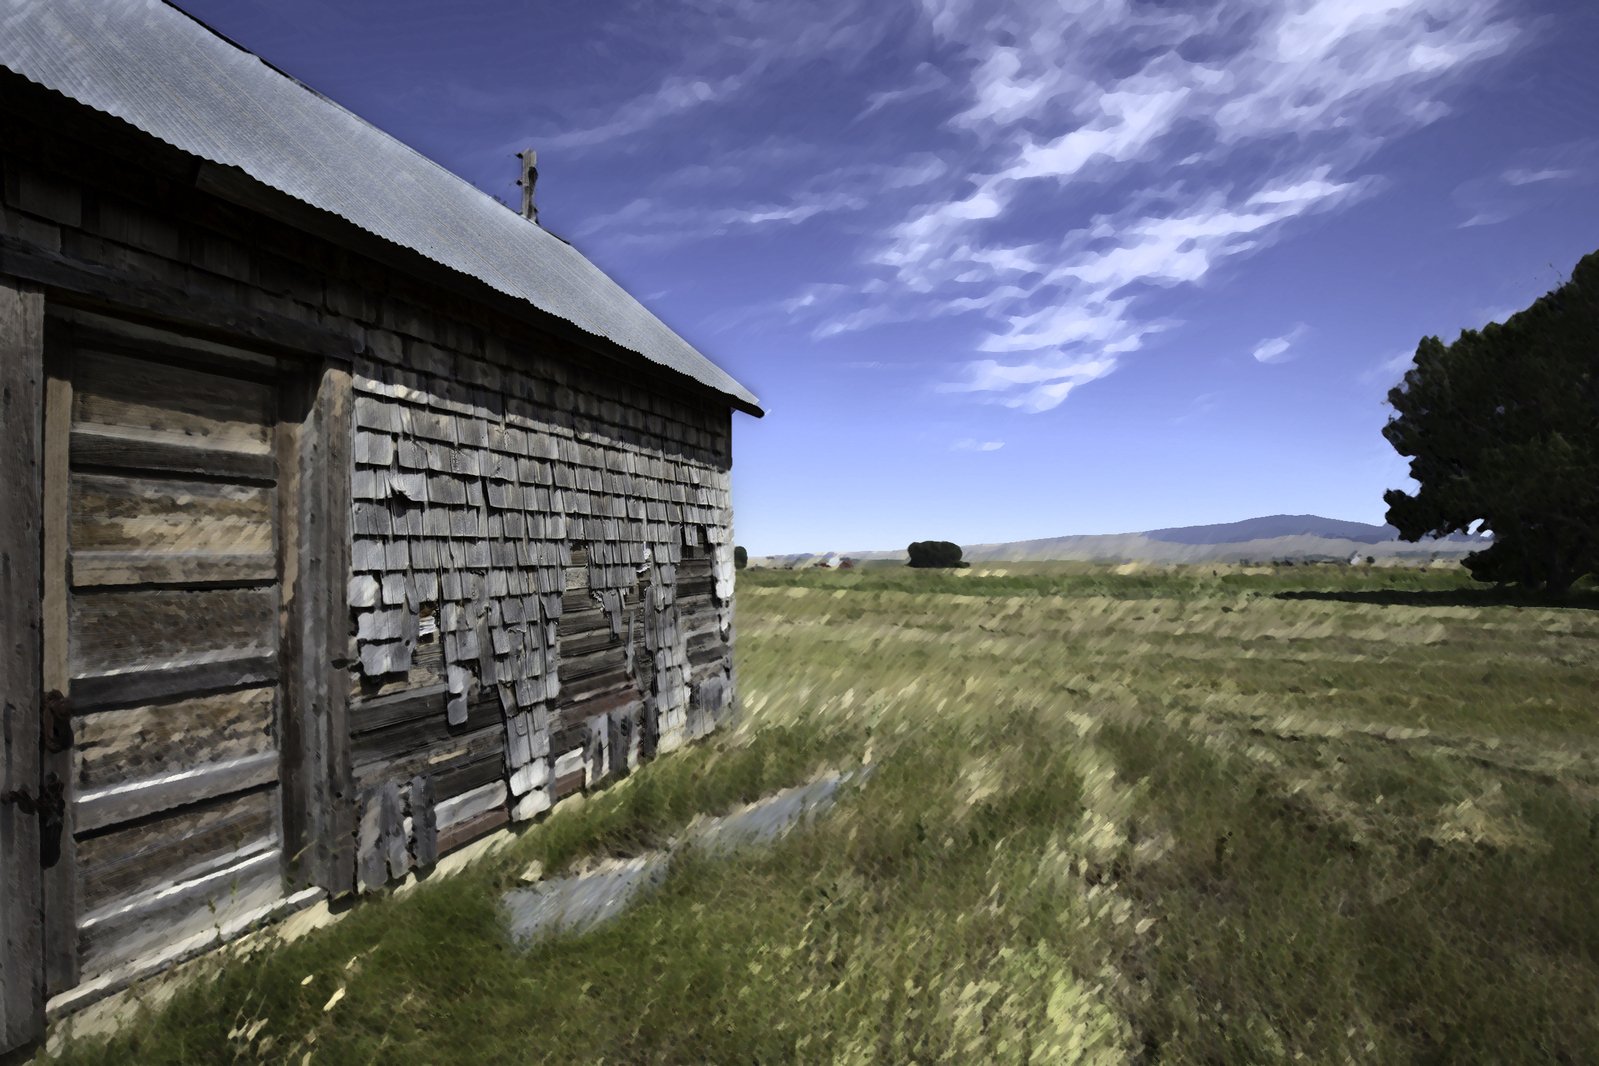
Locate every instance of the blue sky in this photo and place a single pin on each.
(1009, 270)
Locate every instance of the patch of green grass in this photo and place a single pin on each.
(1164, 816)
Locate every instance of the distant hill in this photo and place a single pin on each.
(1297, 537)
(1283, 525)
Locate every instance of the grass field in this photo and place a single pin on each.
(1315, 814)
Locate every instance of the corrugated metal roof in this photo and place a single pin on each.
(160, 70)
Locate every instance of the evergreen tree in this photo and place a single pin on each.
(1502, 428)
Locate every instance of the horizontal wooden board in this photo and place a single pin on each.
(121, 447)
(457, 809)
(149, 628)
(96, 568)
(161, 516)
(122, 935)
(381, 712)
(116, 746)
(385, 757)
(460, 778)
(128, 687)
(175, 846)
(469, 829)
(102, 331)
(224, 413)
(97, 808)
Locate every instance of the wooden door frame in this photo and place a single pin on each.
(22, 387)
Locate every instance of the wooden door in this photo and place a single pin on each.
(161, 632)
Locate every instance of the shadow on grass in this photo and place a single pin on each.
(1579, 599)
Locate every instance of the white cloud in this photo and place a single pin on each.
(970, 445)
(1520, 176)
(1273, 349)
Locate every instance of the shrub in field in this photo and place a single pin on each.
(940, 554)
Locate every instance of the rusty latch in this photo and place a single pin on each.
(51, 807)
(57, 722)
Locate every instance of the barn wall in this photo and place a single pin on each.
(537, 589)
(516, 585)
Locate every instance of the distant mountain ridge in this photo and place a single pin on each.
(1298, 537)
(1284, 525)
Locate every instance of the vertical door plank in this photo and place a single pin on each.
(21, 507)
(59, 850)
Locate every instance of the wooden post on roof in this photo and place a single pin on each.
(530, 176)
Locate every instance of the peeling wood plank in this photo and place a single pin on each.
(424, 828)
(396, 855)
(372, 869)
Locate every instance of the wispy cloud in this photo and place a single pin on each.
(667, 221)
(1390, 369)
(968, 444)
(1056, 110)
(1536, 177)
(927, 79)
(770, 39)
(1276, 349)
(1519, 176)
(677, 94)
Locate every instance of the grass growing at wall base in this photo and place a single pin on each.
(1149, 816)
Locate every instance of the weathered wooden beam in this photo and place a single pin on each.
(320, 797)
(22, 994)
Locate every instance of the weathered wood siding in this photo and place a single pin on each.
(515, 596)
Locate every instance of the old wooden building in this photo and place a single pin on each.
(346, 515)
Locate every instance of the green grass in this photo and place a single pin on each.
(1315, 813)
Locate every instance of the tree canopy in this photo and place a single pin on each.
(935, 553)
(741, 558)
(1502, 428)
